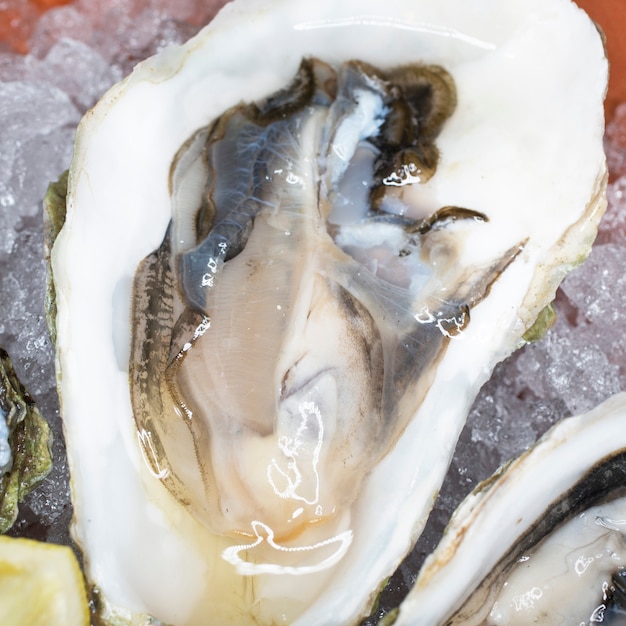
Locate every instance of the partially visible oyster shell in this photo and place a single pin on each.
(543, 541)
(25, 441)
(158, 537)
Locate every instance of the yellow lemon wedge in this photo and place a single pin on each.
(41, 584)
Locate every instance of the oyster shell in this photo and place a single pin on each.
(25, 440)
(156, 546)
(555, 555)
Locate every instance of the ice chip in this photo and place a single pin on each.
(9, 219)
(566, 366)
(37, 122)
(38, 161)
(80, 71)
(14, 66)
(598, 289)
(65, 21)
(29, 109)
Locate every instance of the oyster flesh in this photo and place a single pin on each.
(284, 273)
(551, 556)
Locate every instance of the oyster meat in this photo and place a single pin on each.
(514, 554)
(308, 319)
(284, 273)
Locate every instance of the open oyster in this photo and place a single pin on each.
(325, 245)
(551, 556)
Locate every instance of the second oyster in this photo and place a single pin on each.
(515, 554)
